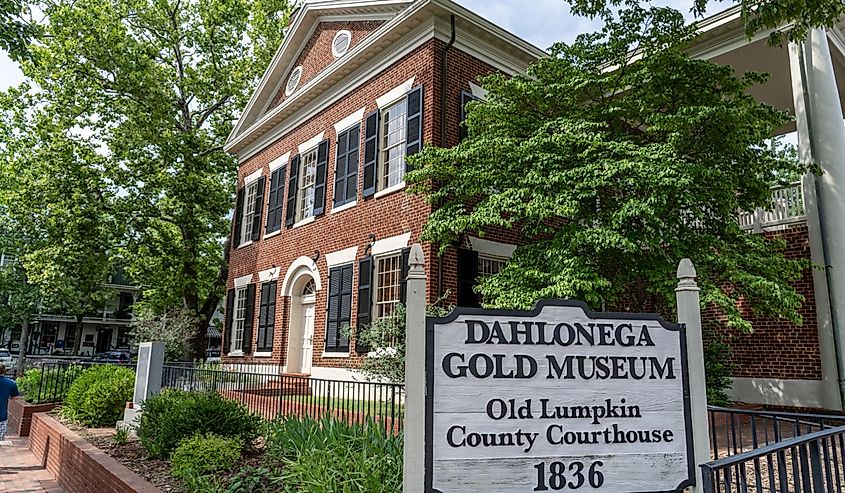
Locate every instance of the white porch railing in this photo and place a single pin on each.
(786, 207)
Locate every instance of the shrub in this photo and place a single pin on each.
(717, 366)
(51, 384)
(174, 415)
(328, 455)
(98, 395)
(205, 454)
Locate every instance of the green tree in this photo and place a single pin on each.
(16, 30)
(157, 86)
(57, 206)
(788, 19)
(614, 170)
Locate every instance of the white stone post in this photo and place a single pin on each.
(148, 373)
(415, 327)
(689, 314)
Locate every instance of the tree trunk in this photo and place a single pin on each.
(24, 344)
(77, 341)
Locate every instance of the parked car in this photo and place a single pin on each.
(121, 357)
(7, 359)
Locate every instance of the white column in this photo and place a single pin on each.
(821, 133)
(689, 314)
(415, 327)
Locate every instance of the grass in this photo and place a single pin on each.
(371, 408)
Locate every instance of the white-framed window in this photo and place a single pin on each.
(239, 319)
(7, 259)
(388, 284)
(307, 185)
(293, 80)
(394, 119)
(341, 42)
(489, 265)
(249, 211)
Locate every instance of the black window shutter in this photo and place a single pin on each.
(414, 127)
(275, 204)
(266, 316)
(340, 308)
(293, 188)
(346, 166)
(333, 315)
(249, 318)
(227, 328)
(403, 273)
(259, 208)
(239, 218)
(371, 131)
(467, 277)
(465, 99)
(320, 182)
(365, 299)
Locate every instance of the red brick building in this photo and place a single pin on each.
(322, 224)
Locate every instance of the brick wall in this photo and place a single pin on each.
(385, 216)
(78, 466)
(317, 53)
(778, 348)
(20, 415)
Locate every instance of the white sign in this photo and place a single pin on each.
(558, 399)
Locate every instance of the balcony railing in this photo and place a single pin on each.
(786, 207)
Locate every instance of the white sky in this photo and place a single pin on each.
(542, 22)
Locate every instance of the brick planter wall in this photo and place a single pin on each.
(20, 415)
(78, 466)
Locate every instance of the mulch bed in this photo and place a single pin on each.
(134, 456)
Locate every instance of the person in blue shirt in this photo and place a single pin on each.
(8, 389)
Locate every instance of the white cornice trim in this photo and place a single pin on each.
(391, 244)
(269, 274)
(254, 176)
(494, 248)
(395, 93)
(344, 256)
(349, 121)
(311, 143)
(478, 91)
(499, 57)
(243, 281)
(349, 84)
(279, 162)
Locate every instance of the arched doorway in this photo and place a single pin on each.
(302, 315)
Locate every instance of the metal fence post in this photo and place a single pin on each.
(415, 326)
(689, 313)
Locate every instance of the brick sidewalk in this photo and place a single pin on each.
(21, 471)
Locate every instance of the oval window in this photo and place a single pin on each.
(293, 81)
(341, 42)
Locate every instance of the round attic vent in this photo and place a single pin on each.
(293, 81)
(341, 42)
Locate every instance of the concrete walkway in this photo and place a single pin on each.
(21, 471)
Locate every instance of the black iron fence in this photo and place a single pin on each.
(270, 393)
(48, 382)
(733, 431)
(774, 452)
(810, 463)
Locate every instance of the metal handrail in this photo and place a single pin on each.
(772, 448)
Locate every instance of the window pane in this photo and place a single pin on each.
(306, 186)
(249, 211)
(239, 319)
(388, 279)
(394, 123)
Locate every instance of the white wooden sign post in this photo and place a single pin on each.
(556, 399)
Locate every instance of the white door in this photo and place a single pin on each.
(307, 337)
